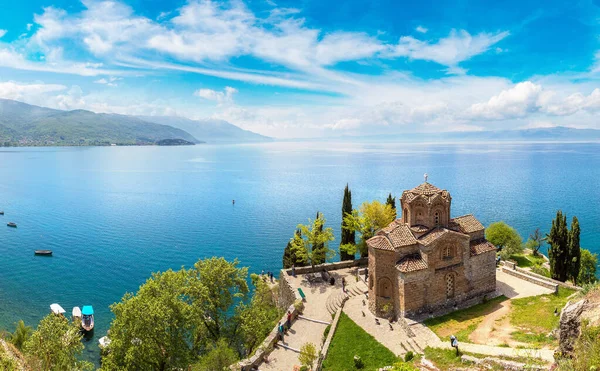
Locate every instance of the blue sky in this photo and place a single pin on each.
(311, 68)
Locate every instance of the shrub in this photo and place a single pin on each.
(409, 356)
(304, 368)
(308, 354)
(299, 305)
(358, 362)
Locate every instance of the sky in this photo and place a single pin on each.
(311, 68)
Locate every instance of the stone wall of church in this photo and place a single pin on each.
(483, 272)
(383, 277)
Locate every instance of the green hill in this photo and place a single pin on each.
(24, 124)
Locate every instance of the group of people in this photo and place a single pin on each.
(281, 329)
(269, 275)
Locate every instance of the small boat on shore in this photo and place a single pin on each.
(87, 319)
(43, 252)
(11, 224)
(57, 309)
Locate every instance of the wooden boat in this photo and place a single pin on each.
(11, 224)
(43, 252)
(57, 309)
(1, 212)
(87, 319)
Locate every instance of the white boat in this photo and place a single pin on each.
(76, 313)
(57, 309)
(104, 342)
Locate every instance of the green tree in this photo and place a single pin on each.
(348, 237)
(558, 253)
(308, 354)
(574, 253)
(392, 202)
(535, 242)
(372, 217)
(289, 256)
(55, 346)
(589, 262)
(21, 334)
(152, 329)
(214, 285)
(505, 238)
(256, 319)
(218, 358)
(313, 246)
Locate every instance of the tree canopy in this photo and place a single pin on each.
(535, 242)
(589, 263)
(190, 316)
(313, 245)
(505, 238)
(55, 346)
(371, 217)
(574, 253)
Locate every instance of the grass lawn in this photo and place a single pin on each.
(350, 340)
(534, 316)
(462, 323)
(527, 260)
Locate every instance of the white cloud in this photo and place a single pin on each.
(421, 29)
(225, 96)
(2, 33)
(110, 81)
(20, 91)
(457, 47)
(518, 101)
(29, 25)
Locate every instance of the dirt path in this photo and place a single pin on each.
(496, 329)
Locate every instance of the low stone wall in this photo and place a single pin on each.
(325, 347)
(287, 294)
(513, 266)
(528, 278)
(329, 266)
(265, 348)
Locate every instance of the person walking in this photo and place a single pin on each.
(289, 320)
(280, 330)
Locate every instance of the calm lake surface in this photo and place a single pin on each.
(114, 215)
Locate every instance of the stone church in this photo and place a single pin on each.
(425, 260)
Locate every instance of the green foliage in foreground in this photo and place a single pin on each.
(219, 358)
(371, 217)
(350, 340)
(312, 245)
(199, 315)
(7, 363)
(587, 351)
(589, 263)
(21, 335)
(55, 346)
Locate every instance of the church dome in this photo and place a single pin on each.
(425, 189)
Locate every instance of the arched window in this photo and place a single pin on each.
(437, 218)
(449, 286)
(385, 288)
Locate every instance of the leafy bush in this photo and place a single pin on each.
(358, 362)
(308, 354)
(409, 356)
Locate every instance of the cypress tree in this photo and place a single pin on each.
(319, 257)
(348, 236)
(558, 253)
(392, 202)
(574, 257)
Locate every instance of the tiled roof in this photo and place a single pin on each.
(411, 263)
(466, 224)
(399, 235)
(427, 190)
(380, 243)
(436, 233)
(481, 246)
(419, 228)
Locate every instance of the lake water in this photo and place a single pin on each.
(113, 215)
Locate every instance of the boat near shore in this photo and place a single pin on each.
(1, 212)
(87, 319)
(43, 252)
(11, 224)
(57, 309)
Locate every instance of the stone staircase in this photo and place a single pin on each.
(334, 301)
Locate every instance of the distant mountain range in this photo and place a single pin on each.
(553, 134)
(28, 125)
(209, 130)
